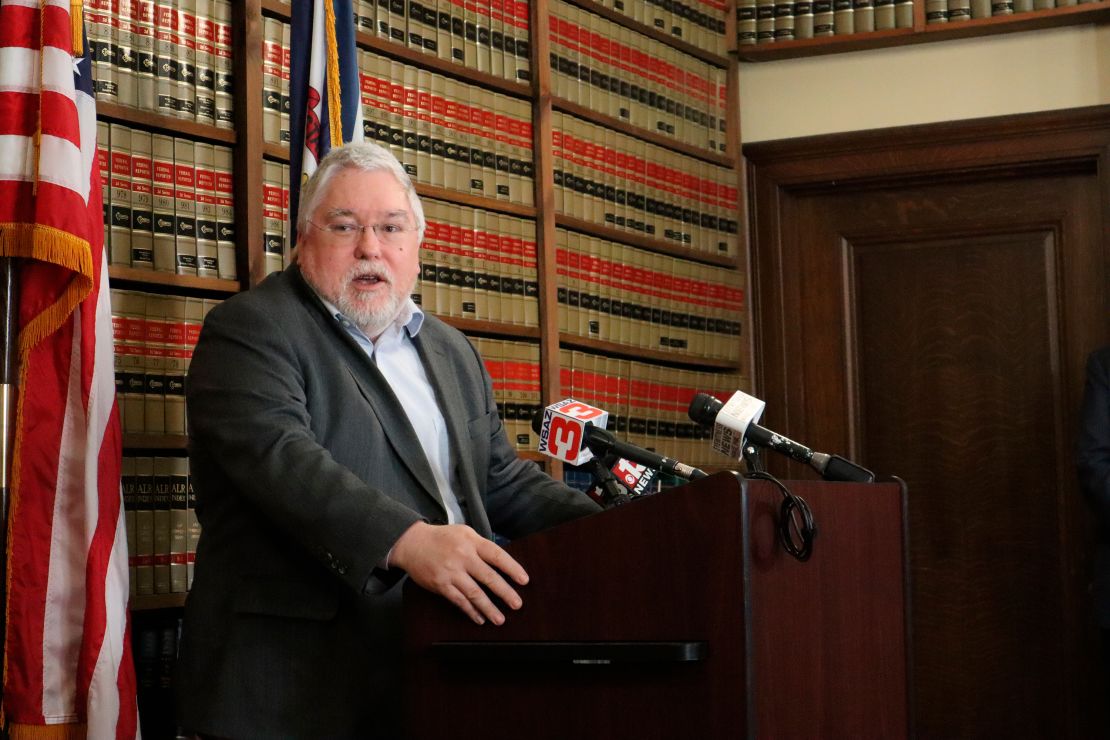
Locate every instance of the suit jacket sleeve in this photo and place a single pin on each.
(1093, 450)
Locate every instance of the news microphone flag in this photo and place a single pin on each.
(732, 422)
(562, 431)
(325, 99)
(68, 670)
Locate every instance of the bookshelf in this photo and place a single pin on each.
(920, 32)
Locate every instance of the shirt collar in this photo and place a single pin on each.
(410, 318)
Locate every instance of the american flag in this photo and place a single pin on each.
(325, 95)
(67, 655)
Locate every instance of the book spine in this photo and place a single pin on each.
(185, 206)
(120, 194)
(163, 202)
(142, 200)
(225, 214)
(144, 525)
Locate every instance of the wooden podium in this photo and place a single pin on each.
(681, 616)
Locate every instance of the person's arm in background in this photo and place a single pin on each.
(1093, 446)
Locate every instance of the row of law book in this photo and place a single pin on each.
(490, 36)
(478, 264)
(154, 639)
(954, 11)
(447, 133)
(700, 23)
(171, 57)
(770, 21)
(161, 523)
(276, 63)
(647, 403)
(277, 236)
(153, 336)
(611, 179)
(514, 369)
(614, 70)
(617, 293)
(168, 202)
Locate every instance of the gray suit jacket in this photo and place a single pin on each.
(306, 472)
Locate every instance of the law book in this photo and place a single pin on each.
(823, 18)
(142, 200)
(271, 80)
(382, 19)
(442, 10)
(207, 251)
(123, 52)
(843, 19)
(163, 200)
(225, 214)
(958, 10)
(144, 525)
(903, 13)
(161, 503)
(884, 15)
(272, 228)
(468, 266)
(175, 355)
(143, 39)
(166, 63)
(104, 166)
(204, 87)
(99, 14)
(185, 206)
(127, 487)
(179, 523)
(222, 64)
(119, 367)
(439, 166)
(154, 366)
(521, 22)
(187, 60)
(289, 235)
(129, 335)
(192, 531)
(514, 276)
(936, 11)
(285, 133)
(119, 197)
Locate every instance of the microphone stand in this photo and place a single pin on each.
(612, 492)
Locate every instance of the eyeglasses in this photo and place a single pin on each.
(349, 232)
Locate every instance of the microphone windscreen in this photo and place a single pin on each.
(704, 408)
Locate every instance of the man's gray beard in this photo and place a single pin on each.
(372, 320)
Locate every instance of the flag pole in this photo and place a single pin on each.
(9, 361)
(9, 368)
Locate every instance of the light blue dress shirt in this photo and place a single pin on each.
(399, 362)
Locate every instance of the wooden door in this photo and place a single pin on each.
(925, 305)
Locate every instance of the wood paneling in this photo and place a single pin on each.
(926, 297)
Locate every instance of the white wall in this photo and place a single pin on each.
(1039, 70)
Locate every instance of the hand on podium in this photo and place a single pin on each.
(455, 562)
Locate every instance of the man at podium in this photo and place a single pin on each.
(341, 439)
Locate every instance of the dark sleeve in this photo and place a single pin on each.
(521, 498)
(1093, 449)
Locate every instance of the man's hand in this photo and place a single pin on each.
(455, 561)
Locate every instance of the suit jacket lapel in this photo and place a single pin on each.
(445, 383)
(378, 394)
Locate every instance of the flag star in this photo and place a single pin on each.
(77, 65)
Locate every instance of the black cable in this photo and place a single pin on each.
(796, 525)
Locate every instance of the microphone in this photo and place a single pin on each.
(734, 423)
(573, 432)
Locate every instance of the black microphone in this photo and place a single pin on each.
(706, 410)
(602, 442)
